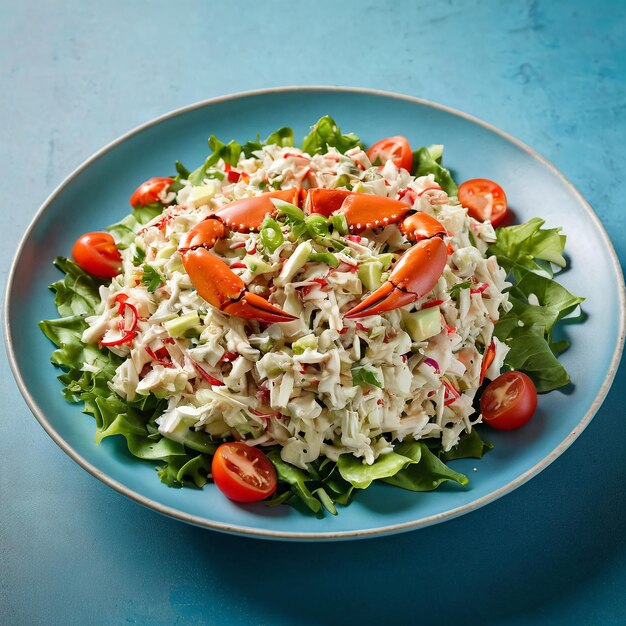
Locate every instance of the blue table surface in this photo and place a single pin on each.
(75, 75)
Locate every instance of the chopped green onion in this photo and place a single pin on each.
(317, 225)
(291, 212)
(324, 257)
(271, 235)
(339, 223)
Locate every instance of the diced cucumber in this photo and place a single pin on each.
(184, 326)
(166, 252)
(308, 341)
(386, 259)
(202, 194)
(370, 274)
(423, 324)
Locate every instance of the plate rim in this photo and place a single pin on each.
(250, 531)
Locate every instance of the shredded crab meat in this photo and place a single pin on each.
(270, 390)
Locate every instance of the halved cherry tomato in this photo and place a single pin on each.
(243, 473)
(150, 191)
(509, 401)
(97, 254)
(484, 199)
(395, 148)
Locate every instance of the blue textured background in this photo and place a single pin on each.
(75, 75)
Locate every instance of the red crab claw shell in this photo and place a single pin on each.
(247, 214)
(253, 307)
(217, 283)
(420, 226)
(413, 276)
(204, 235)
(325, 201)
(364, 210)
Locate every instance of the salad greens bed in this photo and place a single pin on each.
(528, 252)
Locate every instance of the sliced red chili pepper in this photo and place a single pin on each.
(229, 356)
(156, 358)
(344, 330)
(480, 288)
(210, 379)
(347, 267)
(452, 393)
(360, 326)
(322, 282)
(431, 303)
(127, 338)
(238, 265)
(354, 238)
(421, 193)
(488, 358)
(239, 244)
(408, 196)
(263, 394)
(129, 333)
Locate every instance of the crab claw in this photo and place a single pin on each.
(413, 276)
(253, 307)
(217, 283)
(247, 214)
(325, 201)
(420, 226)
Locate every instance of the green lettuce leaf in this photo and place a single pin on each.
(295, 477)
(527, 252)
(524, 244)
(229, 152)
(125, 231)
(361, 476)
(426, 472)
(470, 446)
(424, 164)
(282, 137)
(326, 134)
(76, 296)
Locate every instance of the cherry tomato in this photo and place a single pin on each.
(150, 191)
(395, 148)
(509, 401)
(484, 199)
(97, 254)
(243, 473)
